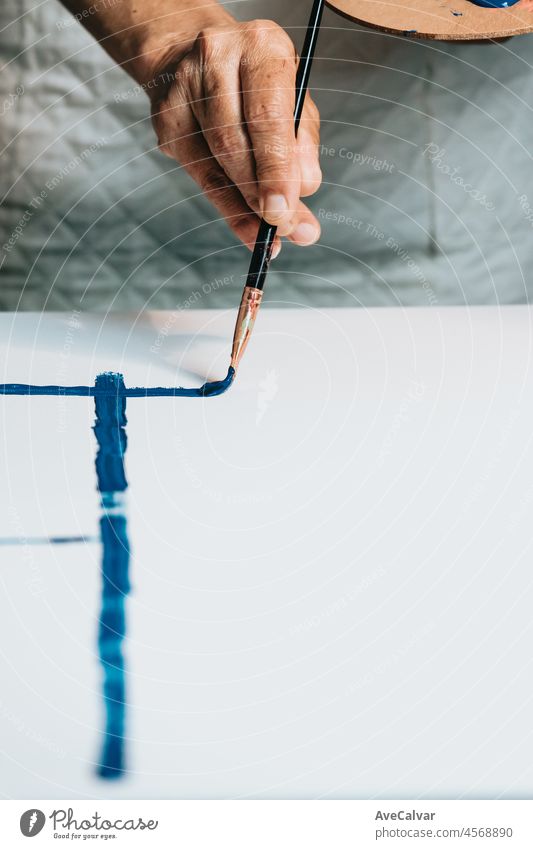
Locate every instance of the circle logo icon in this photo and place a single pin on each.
(32, 822)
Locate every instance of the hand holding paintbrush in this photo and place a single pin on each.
(262, 253)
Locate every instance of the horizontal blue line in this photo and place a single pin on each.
(216, 387)
(46, 540)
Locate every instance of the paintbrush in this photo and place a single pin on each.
(253, 290)
(262, 253)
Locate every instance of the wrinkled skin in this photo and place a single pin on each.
(227, 116)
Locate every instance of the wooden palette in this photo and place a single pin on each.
(444, 20)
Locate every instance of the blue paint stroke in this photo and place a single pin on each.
(103, 390)
(110, 404)
(46, 540)
(110, 396)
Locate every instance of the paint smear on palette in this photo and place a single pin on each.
(494, 4)
(101, 390)
(111, 437)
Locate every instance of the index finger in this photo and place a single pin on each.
(268, 83)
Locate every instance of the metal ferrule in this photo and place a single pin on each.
(250, 303)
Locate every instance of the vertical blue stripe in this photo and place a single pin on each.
(111, 437)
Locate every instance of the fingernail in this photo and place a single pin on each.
(305, 234)
(275, 207)
(276, 249)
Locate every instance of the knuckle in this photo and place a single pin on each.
(176, 97)
(266, 33)
(269, 29)
(213, 180)
(260, 26)
(269, 170)
(276, 160)
(205, 36)
(183, 73)
(264, 111)
(207, 44)
(275, 153)
(223, 141)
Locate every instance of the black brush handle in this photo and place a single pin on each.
(264, 243)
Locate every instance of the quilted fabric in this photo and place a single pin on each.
(427, 195)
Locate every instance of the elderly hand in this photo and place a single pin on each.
(226, 114)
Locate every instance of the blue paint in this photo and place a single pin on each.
(103, 390)
(110, 433)
(109, 428)
(112, 630)
(110, 396)
(458, 14)
(494, 4)
(46, 540)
